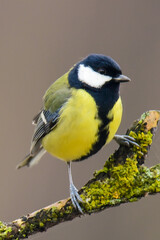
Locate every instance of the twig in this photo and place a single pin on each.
(122, 179)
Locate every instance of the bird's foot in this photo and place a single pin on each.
(125, 140)
(75, 198)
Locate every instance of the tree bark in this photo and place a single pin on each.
(123, 179)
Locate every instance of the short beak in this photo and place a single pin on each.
(122, 78)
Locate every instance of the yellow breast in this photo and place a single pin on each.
(76, 130)
(115, 115)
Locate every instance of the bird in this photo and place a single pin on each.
(81, 113)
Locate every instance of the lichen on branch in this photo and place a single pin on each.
(123, 179)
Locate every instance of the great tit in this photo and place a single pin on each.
(81, 113)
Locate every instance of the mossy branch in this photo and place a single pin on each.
(122, 179)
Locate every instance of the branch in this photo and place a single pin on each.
(122, 179)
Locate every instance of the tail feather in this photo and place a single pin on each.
(31, 160)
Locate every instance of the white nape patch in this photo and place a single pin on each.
(90, 77)
(37, 158)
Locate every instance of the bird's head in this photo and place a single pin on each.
(96, 71)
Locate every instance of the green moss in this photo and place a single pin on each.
(144, 139)
(110, 163)
(42, 218)
(5, 231)
(111, 190)
(41, 224)
(124, 181)
(68, 210)
(38, 222)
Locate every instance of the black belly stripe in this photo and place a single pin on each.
(103, 133)
(105, 99)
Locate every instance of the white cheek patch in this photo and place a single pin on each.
(90, 77)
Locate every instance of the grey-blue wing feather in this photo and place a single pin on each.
(46, 122)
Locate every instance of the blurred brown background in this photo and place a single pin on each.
(39, 41)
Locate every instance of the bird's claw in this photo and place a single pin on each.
(75, 198)
(125, 140)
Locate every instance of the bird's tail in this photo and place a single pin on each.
(31, 159)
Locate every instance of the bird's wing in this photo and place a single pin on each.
(55, 97)
(36, 117)
(46, 122)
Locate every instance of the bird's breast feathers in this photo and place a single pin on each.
(115, 115)
(77, 129)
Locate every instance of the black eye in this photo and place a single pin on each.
(102, 71)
